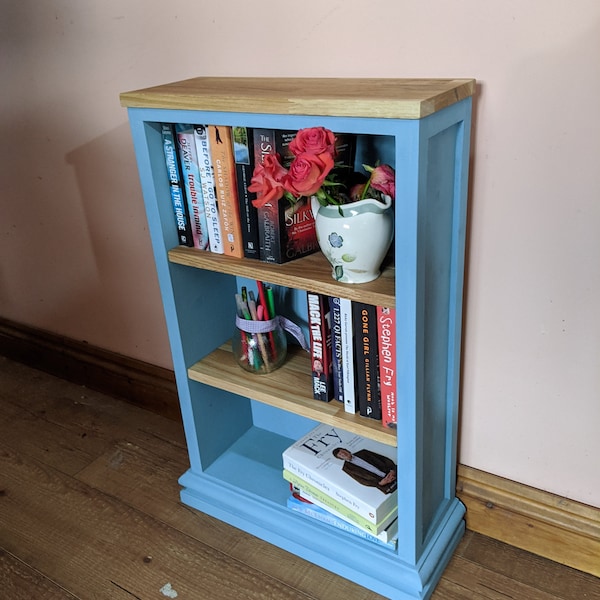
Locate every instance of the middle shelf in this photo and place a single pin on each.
(283, 389)
(311, 272)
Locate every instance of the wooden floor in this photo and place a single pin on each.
(89, 509)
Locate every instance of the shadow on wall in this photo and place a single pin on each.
(124, 281)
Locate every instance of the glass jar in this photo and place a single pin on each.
(259, 346)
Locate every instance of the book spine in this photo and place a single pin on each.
(386, 338)
(193, 187)
(221, 150)
(322, 515)
(330, 502)
(268, 214)
(336, 349)
(364, 321)
(207, 181)
(243, 144)
(319, 324)
(350, 404)
(178, 200)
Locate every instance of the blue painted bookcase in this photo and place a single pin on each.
(237, 424)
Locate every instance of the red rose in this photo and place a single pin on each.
(307, 173)
(267, 181)
(383, 179)
(314, 140)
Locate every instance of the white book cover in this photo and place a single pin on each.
(209, 193)
(355, 472)
(347, 356)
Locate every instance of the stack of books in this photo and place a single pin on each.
(345, 480)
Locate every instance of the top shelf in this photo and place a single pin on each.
(381, 98)
(310, 272)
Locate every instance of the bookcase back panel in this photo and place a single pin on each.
(205, 304)
(283, 423)
(219, 418)
(253, 464)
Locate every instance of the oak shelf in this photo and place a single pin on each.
(311, 273)
(381, 98)
(284, 388)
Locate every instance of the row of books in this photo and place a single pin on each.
(345, 480)
(209, 169)
(353, 355)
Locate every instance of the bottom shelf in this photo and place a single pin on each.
(245, 488)
(253, 465)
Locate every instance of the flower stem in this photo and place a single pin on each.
(365, 189)
(369, 170)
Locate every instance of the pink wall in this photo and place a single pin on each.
(76, 257)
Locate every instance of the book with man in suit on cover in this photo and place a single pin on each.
(358, 474)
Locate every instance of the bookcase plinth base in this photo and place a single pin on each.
(369, 565)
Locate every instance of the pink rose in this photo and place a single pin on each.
(307, 173)
(313, 140)
(356, 192)
(383, 179)
(267, 181)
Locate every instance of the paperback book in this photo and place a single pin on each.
(386, 339)
(176, 188)
(319, 326)
(336, 349)
(347, 341)
(366, 355)
(352, 474)
(209, 192)
(193, 187)
(243, 145)
(221, 151)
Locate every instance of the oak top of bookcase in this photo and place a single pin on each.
(382, 98)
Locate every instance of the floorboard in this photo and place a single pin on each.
(89, 509)
(20, 582)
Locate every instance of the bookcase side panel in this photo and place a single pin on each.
(432, 165)
(441, 230)
(408, 308)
